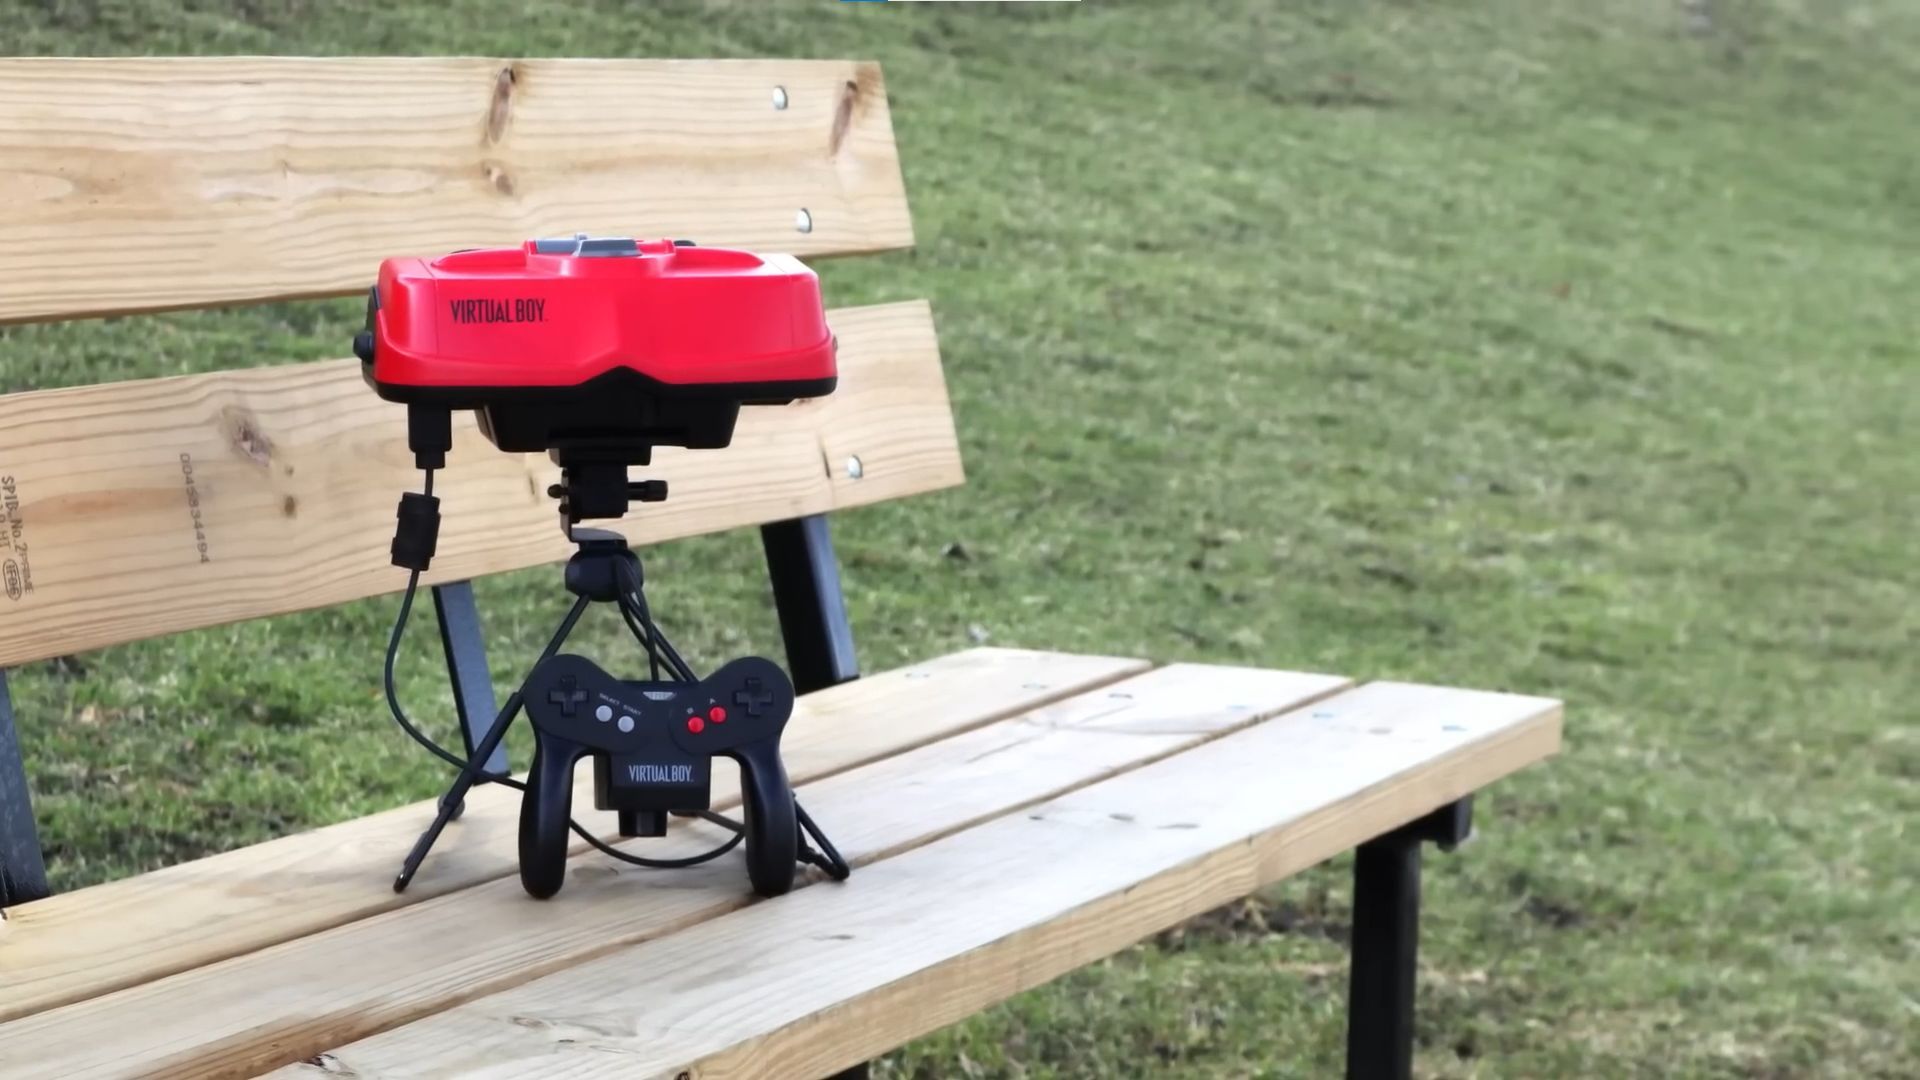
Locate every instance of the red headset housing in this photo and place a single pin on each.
(598, 344)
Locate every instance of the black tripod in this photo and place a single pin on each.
(604, 570)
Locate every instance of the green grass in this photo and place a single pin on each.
(1565, 346)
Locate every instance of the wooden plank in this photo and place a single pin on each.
(294, 473)
(77, 945)
(146, 184)
(287, 1003)
(829, 977)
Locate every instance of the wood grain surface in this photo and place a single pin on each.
(134, 509)
(827, 977)
(78, 945)
(146, 184)
(210, 1022)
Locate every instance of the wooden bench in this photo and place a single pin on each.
(1012, 814)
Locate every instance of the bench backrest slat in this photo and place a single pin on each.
(148, 184)
(141, 508)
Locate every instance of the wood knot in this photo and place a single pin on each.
(500, 109)
(843, 115)
(498, 177)
(243, 434)
(864, 91)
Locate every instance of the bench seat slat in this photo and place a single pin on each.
(287, 1003)
(289, 476)
(147, 184)
(77, 945)
(829, 977)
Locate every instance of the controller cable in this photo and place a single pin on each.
(633, 608)
(421, 514)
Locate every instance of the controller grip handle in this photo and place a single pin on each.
(773, 830)
(545, 812)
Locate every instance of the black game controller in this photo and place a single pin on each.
(653, 745)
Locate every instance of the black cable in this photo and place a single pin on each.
(393, 695)
(721, 820)
(393, 654)
(646, 639)
(633, 593)
(645, 632)
(661, 864)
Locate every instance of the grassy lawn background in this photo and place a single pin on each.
(1565, 346)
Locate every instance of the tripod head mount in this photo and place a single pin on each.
(598, 489)
(596, 571)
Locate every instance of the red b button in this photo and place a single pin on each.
(696, 725)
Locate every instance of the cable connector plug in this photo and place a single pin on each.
(429, 434)
(418, 532)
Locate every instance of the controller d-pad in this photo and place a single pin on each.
(568, 695)
(753, 696)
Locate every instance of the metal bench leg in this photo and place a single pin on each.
(23, 876)
(813, 622)
(813, 611)
(467, 670)
(1386, 938)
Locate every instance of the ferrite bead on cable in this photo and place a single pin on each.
(418, 532)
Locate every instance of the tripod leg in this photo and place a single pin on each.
(452, 801)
